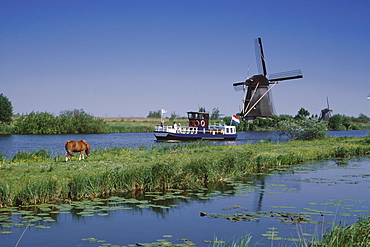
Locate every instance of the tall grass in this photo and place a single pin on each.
(36, 177)
(356, 234)
(353, 235)
(242, 241)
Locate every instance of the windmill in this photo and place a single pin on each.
(326, 113)
(257, 102)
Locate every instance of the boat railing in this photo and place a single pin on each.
(187, 130)
(176, 129)
(164, 128)
(222, 129)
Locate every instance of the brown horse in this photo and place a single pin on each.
(80, 146)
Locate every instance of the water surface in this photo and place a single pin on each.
(11, 144)
(323, 193)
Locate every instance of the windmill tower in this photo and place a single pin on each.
(326, 113)
(257, 101)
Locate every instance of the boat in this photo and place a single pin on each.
(198, 129)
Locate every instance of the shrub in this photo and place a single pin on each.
(339, 122)
(303, 129)
(69, 122)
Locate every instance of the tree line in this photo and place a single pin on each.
(78, 121)
(67, 122)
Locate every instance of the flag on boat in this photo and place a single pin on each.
(235, 119)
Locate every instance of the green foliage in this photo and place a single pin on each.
(69, 122)
(6, 110)
(215, 113)
(302, 113)
(24, 156)
(303, 129)
(339, 122)
(362, 118)
(243, 126)
(367, 139)
(174, 116)
(263, 123)
(202, 109)
(37, 123)
(154, 114)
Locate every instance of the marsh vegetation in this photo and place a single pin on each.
(36, 177)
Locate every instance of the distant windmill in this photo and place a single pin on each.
(257, 102)
(326, 113)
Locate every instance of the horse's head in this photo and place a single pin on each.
(87, 150)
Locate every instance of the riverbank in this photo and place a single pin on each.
(36, 177)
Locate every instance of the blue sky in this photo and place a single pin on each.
(126, 58)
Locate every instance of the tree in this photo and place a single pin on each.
(363, 118)
(6, 110)
(202, 109)
(215, 113)
(174, 116)
(340, 122)
(302, 113)
(154, 114)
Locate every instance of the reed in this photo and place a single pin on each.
(353, 235)
(242, 241)
(37, 177)
(356, 234)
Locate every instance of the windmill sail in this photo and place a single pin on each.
(287, 75)
(260, 57)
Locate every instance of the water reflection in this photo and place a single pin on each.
(311, 194)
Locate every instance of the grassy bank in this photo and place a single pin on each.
(33, 178)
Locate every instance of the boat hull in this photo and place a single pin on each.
(164, 136)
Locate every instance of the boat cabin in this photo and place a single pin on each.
(198, 119)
